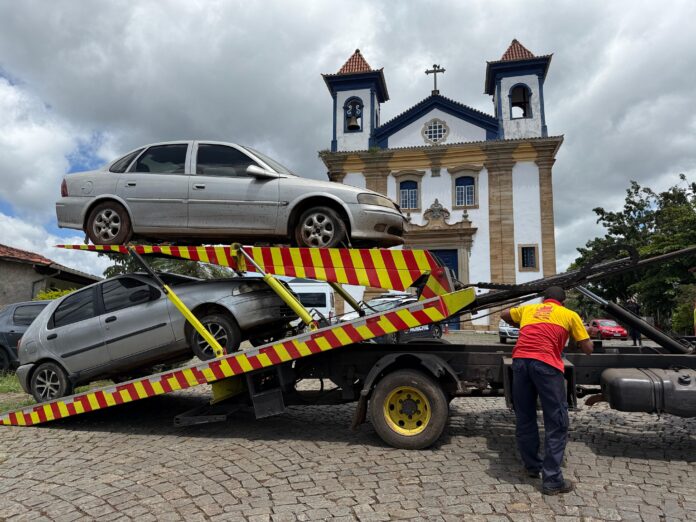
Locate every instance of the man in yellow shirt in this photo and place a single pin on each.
(538, 372)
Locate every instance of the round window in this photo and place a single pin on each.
(435, 131)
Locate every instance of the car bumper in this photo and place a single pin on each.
(23, 373)
(70, 212)
(379, 224)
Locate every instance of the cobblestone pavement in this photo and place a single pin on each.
(130, 462)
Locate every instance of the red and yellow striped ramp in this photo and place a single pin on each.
(329, 338)
(375, 267)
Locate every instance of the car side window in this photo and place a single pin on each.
(220, 160)
(162, 159)
(125, 292)
(24, 315)
(122, 164)
(76, 307)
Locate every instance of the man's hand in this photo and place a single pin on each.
(586, 346)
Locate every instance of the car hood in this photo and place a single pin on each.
(328, 186)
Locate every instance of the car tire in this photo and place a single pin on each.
(424, 411)
(502, 340)
(437, 331)
(108, 224)
(320, 227)
(223, 328)
(5, 364)
(48, 382)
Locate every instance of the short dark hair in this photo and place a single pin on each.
(556, 293)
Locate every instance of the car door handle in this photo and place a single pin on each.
(199, 186)
(131, 184)
(51, 336)
(110, 319)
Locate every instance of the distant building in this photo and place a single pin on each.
(476, 187)
(24, 274)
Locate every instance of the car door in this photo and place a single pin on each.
(156, 187)
(135, 319)
(74, 333)
(222, 196)
(22, 317)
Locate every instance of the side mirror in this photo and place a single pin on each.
(259, 173)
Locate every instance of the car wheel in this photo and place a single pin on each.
(437, 331)
(320, 227)
(4, 361)
(502, 340)
(108, 224)
(225, 331)
(408, 409)
(49, 381)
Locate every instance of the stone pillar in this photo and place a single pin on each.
(548, 238)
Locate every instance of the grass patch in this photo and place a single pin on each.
(9, 383)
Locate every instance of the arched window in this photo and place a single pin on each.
(520, 101)
(465, 191)
(353, 115)
(408, 194)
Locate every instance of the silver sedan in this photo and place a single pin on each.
(221, 191)
(125, 325)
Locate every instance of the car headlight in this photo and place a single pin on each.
(374, 199)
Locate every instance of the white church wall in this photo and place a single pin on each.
(354, 179)
(521, 127)
(460, 131)
(352, 140)
(526, 214)
(480, 258)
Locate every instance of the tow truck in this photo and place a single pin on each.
(406, 388)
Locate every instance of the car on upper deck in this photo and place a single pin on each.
(218, 191)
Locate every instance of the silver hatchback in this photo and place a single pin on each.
(221, 191)
(123, 326)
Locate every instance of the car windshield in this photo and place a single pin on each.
(271, 162)
(608, 323)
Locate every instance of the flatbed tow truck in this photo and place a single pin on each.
(406, 387)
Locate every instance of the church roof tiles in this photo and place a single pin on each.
(516, 51)
(355, 64)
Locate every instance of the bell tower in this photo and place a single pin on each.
(357, 91)
(516, 82)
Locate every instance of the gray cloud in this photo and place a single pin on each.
(620, 87)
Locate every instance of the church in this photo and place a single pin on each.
(476, 188)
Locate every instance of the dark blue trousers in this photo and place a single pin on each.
(532, 379)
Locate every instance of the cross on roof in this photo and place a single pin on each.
(436, 69)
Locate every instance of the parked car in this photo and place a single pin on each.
(221, 191)
(506, 331)
(606, 329)
(14, 320)
(382, 304)
(123, 326)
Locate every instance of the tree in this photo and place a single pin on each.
(50, 295)
(125, 264)
(653, 223)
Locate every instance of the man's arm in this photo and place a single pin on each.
(579, 333)
(507, 317)
(587, 346)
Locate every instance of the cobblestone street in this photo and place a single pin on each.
(130, 462)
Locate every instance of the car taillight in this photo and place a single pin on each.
(64, 189)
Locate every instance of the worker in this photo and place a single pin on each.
(538, 372)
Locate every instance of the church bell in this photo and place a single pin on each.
(353, 124)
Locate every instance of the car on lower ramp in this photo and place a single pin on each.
(124, 326)
(218, 191)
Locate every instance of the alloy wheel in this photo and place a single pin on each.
(318, 230)
(107, 224)
(47, 384)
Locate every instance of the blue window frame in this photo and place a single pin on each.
(408, 194)
(465, 191)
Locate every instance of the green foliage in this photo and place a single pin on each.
(50, 295)
(683, 316)
(653, 223)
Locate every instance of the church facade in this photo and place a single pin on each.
(476, 188)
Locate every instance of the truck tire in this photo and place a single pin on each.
(49, 381)
(408, 409)
(225, 331)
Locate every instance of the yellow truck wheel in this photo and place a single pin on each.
(408, 409)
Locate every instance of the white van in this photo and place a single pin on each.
(315, 295)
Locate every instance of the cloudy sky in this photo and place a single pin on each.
(81, 82)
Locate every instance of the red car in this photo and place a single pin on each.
(606, 329)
